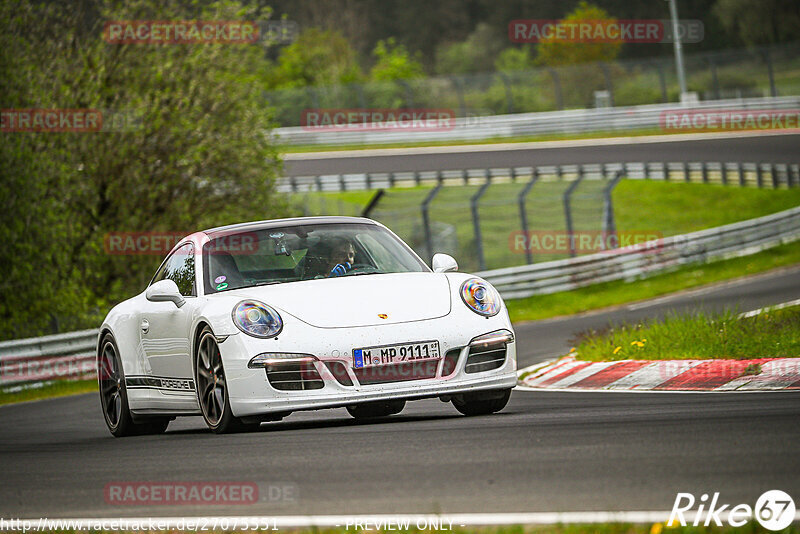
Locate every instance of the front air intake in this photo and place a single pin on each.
(485, 359)
(293, 376)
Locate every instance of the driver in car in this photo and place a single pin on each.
(342, 257)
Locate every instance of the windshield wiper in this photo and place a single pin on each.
(267, 283)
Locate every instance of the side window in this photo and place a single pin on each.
(179, 268)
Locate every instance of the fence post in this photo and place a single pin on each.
(724, 173)
(704, 169)
(409, 100)
(609, 85)
(759, 175)
(476, 223)
(740, 168)
(523, 216)
(460, 93)
(714, 78)
(568, 211)
(293, 184)
(687, 172)
(557, 86)
(662, 81)
(609, 225)
(368, 179)
(372, 203)
(773, 90)
(509, 96)
(426, 223)
(774, 171)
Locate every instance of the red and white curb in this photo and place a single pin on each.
(570, 374)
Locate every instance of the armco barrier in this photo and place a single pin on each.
(72, 355)
(528, 124)
(737, 239)
(768, 175)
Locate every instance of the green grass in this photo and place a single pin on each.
(696, 336)
(620, 292)
(12, 394)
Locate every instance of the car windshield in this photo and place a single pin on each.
(260, 256)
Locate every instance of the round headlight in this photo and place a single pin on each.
(257, 319)
(480, 297)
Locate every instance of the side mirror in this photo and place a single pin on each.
(165, 291)
(443, 263)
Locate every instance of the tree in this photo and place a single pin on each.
(317, 57)
(196, 153)
(759, 22)
(555, 52)
(394, 62)
(476, 53)
(513, 59)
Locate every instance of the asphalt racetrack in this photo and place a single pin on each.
(753, 148)
(547, 451)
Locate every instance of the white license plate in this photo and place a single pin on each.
(400, 352)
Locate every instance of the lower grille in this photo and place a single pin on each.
(293, 376)
(485, 359)
(450, 362)
(339, 372)
(399, 372)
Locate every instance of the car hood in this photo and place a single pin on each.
(361, 300)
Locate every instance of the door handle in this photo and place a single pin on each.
(145, 326)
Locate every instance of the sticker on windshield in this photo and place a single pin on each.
(221, 286)
(220, 279)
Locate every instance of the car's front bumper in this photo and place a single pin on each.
(251, 394)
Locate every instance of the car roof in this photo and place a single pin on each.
(293, 221)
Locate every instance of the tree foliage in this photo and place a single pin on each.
(195, 152)
(317, 57)
(760, 22)
(394, 62)
(554, 52)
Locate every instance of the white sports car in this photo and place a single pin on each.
(250, 322)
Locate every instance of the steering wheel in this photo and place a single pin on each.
(363, 267)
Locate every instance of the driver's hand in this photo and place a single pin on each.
(340, 269)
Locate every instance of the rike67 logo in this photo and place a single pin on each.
(774, 510)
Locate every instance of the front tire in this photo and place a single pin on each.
(114, 395)
(376, 409)
(212, 389)
(482, 403)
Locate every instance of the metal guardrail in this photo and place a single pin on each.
(70, 355)
(630, 263)
(727, 173)
(527, 124)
